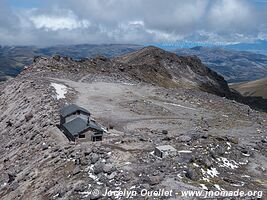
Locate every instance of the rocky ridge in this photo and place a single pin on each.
(221, 143)
(150, 64)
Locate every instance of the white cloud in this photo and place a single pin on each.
(132, 21)
(231, 15)
(54, 23)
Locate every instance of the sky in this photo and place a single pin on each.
(51, 22)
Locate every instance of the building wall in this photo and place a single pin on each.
(158, 153)
(87, 138)
(164, 153)
(67, 134)
(62, 120)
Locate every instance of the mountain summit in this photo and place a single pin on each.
(150, 64)
(180, 70)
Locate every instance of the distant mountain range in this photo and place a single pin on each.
(259, 46)
(14, 58)
(234, 66)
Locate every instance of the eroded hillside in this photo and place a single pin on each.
(252, 88)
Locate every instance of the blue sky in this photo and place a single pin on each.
(48, 22)
(26, 3)
(41, 3)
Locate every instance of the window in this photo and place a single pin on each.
(82, 135)
(97, 138)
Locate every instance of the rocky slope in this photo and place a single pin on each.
(234, 66)
(14, 58)
(178, 70)
(150, 64)
(255, 88)
(221, 144)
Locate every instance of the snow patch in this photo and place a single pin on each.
(61, 90)
(195, 164)
(85, 194)
(90, 173)
(244, 163)
(179, 176)
(178, 105)
(218, 187)
(55, 196)
(245, 176)
(246, 154)
(210, 172)
(92, 176)
(229, 145)
(184, 151)
(203, 186)
(133, 187)
(226, 163)
(4, 184)
(241, 184)
(213, 172)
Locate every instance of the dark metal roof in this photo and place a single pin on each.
(72, 108)
(95, 126)
(76, 126)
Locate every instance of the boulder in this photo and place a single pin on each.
(76, 170)
(164, 132)
(80, 187)
(87, 152)
(84, 161)
(108, 168)
(233, 140)
(154, 180)
(206, 162)
(264, 140)
(56, 57)
(191, 174)
(14, 185)
(94, 158)
(11, 177)
(44, 146)
(184, 138)
(28, 117)
(98, 168)
(220, 151)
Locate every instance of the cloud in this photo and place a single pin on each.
(8, 20)
(232, 16)
(132, 21)
(54, 23)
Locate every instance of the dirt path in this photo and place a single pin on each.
(84, 77)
